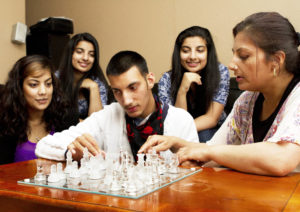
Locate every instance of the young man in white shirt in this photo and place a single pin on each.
(126, 124)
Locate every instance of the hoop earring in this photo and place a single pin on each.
(274, 72)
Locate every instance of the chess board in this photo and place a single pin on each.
(98, 186)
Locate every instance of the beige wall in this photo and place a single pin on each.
(11, 12)
(151, 26)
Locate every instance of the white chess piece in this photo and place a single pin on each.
(69, 163)
(40, 176)
(53, 177)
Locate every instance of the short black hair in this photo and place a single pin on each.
(124, 60)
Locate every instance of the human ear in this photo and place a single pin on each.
(279, 60)
(150, 80)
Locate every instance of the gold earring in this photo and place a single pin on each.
(274, 72)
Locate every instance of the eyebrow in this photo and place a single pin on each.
(190, 47)
(35, 79)
(131, 84)
(84, 49)
(237, 50)
(241, 48)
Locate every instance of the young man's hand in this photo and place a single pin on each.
(78, 145)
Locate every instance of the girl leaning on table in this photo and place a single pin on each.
(81, 76)
(32, 106)
(197, 82)
(261, 135)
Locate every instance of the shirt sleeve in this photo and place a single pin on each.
(181, 124)
(221, 136)
(164, 89)
(103, 91)
(223, 90)
(54, 146)
(235, 127)
(285, 127)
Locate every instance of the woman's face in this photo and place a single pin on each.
(83, 56)
(193, 54)
(249, 64)
(38, 89)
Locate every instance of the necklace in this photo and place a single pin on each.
(37, 139)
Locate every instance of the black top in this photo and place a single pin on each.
(196, 101)
(261, 128)
(8, 148)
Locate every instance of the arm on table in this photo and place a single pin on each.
(264, 158)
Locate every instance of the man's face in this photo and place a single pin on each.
(133, 92)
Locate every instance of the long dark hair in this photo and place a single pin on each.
(14, 114)
(210, 75)
(66, 70)
(272, 32)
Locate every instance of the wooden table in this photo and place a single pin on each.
(209, 190)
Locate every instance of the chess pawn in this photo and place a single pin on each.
(148, 179)
(92, 164)
(161, 166)
(131, 187)
(74, 170)
(96, 168)
(148, 160)
(108, 160)
(155, 174)
(69, 159)
(53, 177)
(124, 172)
(141, 160)
(148, 171)
(95, 174)
(152, 164)
(108, 177)
(85, 154)
(40, 176)
(74, 176)
(60, 172)
(139, 183)
(134, 184)
(100, 162)
(174, 162)
(115, 184)
(163, 161)
(59, 183)
(92, 185)
(83, 171)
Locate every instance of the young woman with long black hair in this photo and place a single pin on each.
(197, 82)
